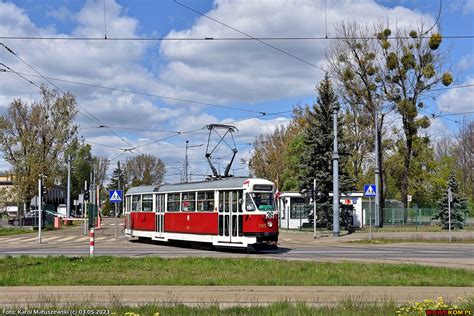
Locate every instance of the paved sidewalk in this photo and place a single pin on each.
(35, 296)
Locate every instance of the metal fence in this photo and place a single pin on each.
(414, 216)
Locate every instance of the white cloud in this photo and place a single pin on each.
(62, 14)
(457, 100)
(468, 7)
(247, 71)
(466, 62)
(225, 72)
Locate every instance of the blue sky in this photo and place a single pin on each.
(241, 74)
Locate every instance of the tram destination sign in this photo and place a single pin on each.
(263, 187)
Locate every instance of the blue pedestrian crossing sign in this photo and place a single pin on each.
(115, 196)
(370, 190)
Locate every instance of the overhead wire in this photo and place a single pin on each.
(147, 94)
(93, 118)
(252, 37)
(17, 73)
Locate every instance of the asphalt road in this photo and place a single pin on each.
(71, 242)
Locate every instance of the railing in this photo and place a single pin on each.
(414, 216)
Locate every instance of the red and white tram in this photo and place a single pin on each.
(229, 212)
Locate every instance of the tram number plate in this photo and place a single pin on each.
(269, 215)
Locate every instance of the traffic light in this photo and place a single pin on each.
(86, 195)
(44, 191)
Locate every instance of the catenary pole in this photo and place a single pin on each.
(377, 171)
(335, 168)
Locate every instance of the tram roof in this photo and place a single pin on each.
(226, 183)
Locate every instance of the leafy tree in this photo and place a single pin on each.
(317, 150)
(411, 66)
(33, 138)
(458, 207)
(272, 157)
(144, 170)
(428, 175)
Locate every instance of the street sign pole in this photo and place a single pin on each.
(115, 222)
(370, 191)
(115, 196)
(370, 218)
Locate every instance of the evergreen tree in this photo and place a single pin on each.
(117, 182)
(316, 156)
(458, 207)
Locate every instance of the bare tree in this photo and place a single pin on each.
(353, 60)
(464, 154)
(101, 165)
(412, 65)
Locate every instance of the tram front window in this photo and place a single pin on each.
(259, 201)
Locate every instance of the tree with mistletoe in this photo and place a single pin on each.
(458, 207)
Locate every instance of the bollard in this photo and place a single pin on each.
(99, 222)
(91, 242)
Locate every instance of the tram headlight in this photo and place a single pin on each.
(270, 224)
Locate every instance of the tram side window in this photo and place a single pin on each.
(224, 201)
(205, 201)
(188, 202)
(173, 202)
(160, 203)
(127, 204)
(136, 203)
(147, 203)
(236, 206)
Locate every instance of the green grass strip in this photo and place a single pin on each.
(17, 271)
(6, 231)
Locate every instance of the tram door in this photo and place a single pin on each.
(160, 214)
(230, 216)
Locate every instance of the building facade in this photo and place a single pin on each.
(294, 210)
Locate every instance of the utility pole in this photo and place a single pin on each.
(377, 171)
(68, 196)
(335, 169)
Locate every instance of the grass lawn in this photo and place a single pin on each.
(17, 271)
(6, 231)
